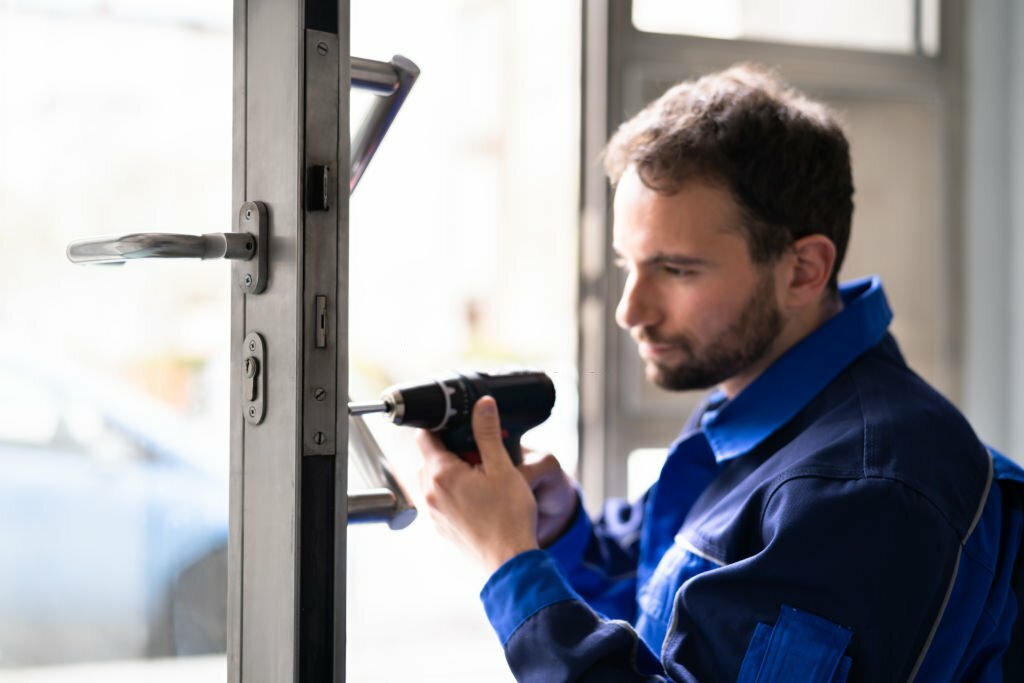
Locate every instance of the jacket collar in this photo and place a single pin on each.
(737, 426)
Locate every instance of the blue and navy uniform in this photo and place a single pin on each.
(837, 520)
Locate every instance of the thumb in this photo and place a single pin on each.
(487, 432)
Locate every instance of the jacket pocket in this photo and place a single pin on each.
(799, 647)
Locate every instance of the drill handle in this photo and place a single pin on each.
(460, 441)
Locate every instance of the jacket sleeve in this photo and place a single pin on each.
(847, 582)
(551, 634)
(599, 558)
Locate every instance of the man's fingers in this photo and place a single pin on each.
(428, 443)
(538, 468)
(433, 450)
(439, 469)
(487, 432)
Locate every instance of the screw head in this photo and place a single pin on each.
(321, 48)
(318, 438)
(247, 280)
(252, 411)
(252, 345)
(319, 393)
(248, 214)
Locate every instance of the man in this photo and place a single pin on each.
(824, 515)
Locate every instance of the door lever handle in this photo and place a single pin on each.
(384, 501)
(120, 248)
(247, 243)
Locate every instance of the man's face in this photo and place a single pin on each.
(701, 311)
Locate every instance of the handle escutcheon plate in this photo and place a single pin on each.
(252, 275)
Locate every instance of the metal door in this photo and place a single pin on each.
(289, 504)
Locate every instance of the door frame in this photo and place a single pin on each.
(288, 485)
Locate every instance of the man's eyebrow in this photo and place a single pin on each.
(667, 259)
(676, 260)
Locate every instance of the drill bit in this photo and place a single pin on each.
(372, 407)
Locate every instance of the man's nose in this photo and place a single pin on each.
(637, 305)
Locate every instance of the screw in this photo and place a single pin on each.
(321, 48)
(318, 438)
(247, 280)
(252, 344)
(248, 214)
(319, 393)
(252, 411)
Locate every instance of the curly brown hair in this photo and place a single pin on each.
(783, 156)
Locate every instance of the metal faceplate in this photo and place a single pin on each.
(320, 271)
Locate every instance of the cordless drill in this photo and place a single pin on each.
(445, 406)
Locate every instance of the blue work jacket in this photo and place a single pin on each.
(838, 520)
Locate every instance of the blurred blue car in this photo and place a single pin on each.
(113, 533)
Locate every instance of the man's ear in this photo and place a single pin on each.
(812, 259)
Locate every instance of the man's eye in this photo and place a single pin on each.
(678, 271)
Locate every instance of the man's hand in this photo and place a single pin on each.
(487, 509)
(555, 495)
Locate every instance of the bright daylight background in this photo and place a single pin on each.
(115, 117)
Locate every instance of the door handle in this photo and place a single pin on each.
(384, 501)
(118, 249)
(391, 82)
(248, 243)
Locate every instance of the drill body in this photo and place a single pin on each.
(445, 406)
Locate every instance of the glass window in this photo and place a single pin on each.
(909, 26)
(462, 252)
(115, 117)
(28, 412)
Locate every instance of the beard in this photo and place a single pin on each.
(741, 345)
